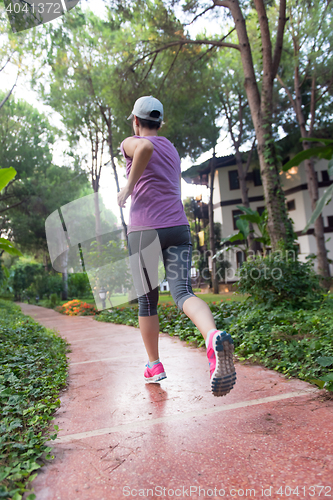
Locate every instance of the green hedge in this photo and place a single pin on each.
(33, 368)
(295, 342)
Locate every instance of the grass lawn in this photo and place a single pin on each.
(207, 297)
(164, 298)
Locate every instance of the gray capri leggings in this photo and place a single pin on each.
(176, 249)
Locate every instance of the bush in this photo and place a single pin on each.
(22, 276)
(290, 341)
(46, 285)
(78, 285)
(28, 280)
(54, 300)
(275, 279)
(297, 343)
(33, 368)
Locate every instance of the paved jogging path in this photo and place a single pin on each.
(122, 438)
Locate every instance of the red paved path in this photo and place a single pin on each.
(121, 438)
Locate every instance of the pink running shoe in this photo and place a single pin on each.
(154, 374)
(220, 355)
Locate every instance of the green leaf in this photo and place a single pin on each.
(225, 249)
(255, 218)
(6, 175)
(236, 237)
(320, 151)
(319, 207)
(246, 210)
(17, 496)
(5, 473)
(325, 360)
(250, 215)
(243, 226)
(319, 383)
(327, 378)
(8, 247)
(314, 139)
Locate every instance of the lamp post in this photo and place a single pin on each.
(102, 296)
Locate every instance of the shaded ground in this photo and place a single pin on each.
(122, 438)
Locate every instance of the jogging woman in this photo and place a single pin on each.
(153, 182)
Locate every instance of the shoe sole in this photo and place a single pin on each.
(156, 378)
(224, 376)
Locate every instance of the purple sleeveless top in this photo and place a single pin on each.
(156, 199)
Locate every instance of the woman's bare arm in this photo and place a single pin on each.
(140, 150)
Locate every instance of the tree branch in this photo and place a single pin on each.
(222, 3)
(228, 117)
(279, 37)
(199, 15)
(212, 48)
(9, 93)
(265, 38)
(313, 103)
(241, 124)
(168, 72)
(148, 71)
(329, 85)
(249, 158)
(288, 92)
(9, 58)
(12, 206)
(215, 43)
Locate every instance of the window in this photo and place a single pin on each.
(257, 177)
(260, 210)
(330, 220)
(324, 175)
(235, 215)
(291, 205)
(233, 179)
(240, 259)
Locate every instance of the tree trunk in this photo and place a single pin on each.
(107, 120)
(64, 294)
(238, 156)
(45, 262)
(278, 224)
(311, 178)
(244, 195)
(211, 227)
(323, 265)
(97, 221)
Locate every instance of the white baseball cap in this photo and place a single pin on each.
(148, 108)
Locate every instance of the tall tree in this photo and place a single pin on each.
(308, 84)
(232, 102)
(12, 52)
(26, 139)
(259, 91)
(93, 84)
(39, 187)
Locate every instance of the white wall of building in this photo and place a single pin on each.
(295, 180)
